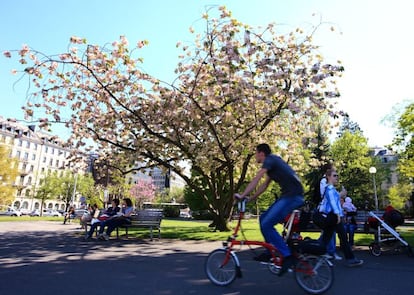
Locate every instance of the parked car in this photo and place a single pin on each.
(24, 211)
(51, 212)
(185, 214)
(46, 212)
(9, 211)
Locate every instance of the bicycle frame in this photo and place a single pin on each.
(277, 258)
(313, 273)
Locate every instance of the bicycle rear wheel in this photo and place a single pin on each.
(314, 274)
(221, 267)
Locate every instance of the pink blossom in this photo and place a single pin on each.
(7, 54)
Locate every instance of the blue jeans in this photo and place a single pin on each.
(350, 232)
(276, 214)
(113, 224)
(93, 228)
(340, 230)
(331, 247)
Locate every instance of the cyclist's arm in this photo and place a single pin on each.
(251, 186)
(261, 189)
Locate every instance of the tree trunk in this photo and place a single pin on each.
(220, 223)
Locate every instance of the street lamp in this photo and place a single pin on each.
(74, 189)
(373, 170)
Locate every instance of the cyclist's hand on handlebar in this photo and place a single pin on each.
(238, 197)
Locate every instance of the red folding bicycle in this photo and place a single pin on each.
(313, 270)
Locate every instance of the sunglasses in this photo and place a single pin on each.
(335, 175)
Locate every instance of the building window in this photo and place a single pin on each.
(18, 155)
(46, 149)
(50, 162)
(34, 157)
(21, 180)
(20, 142)
(35, 146)
(28, 145)
(26, 156)
(24, 167)
(44, 159)
(29, 180)
(57, 163)
(31, 168)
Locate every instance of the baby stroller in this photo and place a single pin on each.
(386, 237)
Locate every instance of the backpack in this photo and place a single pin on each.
(393, 218)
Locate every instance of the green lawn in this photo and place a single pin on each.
(199, 230)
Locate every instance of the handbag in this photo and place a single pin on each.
(324, 220)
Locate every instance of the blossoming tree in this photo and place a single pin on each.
(236, 86)
(143, 190)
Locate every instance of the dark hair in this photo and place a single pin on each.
(116, 201)
(265, 148)
(330, 171)
(327, 166)
(128, 202)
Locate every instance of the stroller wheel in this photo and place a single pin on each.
(375, 249)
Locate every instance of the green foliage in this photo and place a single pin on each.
(404, 141)
(171, 211)
(349, 126)
(399, 196)
(266, 199)
(63, 185)
(177, 194)
(8, 173)
(317, 161)
(350, 154)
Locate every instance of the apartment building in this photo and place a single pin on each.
(162, 180)
(38, 153)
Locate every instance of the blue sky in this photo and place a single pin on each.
(375, 44)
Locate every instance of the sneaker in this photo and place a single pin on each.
(105, 236)
(354, 262)
(264, 257)
(288, 262)
(87, 237)
(337, 257)
(329, 256)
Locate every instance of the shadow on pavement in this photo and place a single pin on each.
(45, 262)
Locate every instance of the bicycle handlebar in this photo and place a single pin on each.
(241, 205)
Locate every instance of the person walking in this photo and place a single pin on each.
(331, 204)
(331, 247)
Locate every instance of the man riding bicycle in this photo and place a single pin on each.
(291, 198)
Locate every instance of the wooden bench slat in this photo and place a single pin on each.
(144, 219)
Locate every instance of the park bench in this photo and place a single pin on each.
(361, 219)
(149, 218)
(76, 215)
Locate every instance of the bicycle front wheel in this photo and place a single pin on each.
(314, 274)
(221, 267)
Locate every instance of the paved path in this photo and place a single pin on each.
(51, 258)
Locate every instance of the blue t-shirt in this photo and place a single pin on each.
(279, 171)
